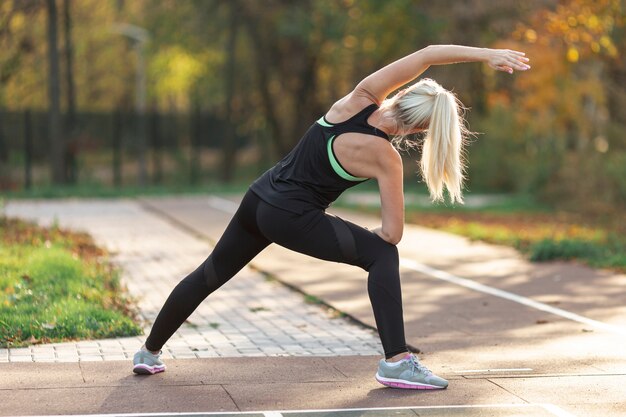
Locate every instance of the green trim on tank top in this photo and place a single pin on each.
(324, 123)
(337, 166)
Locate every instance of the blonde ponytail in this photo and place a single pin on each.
(441, 155)
(428, 105)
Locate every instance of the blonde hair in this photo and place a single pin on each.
(427, 105)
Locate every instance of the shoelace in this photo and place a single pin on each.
(417, 366)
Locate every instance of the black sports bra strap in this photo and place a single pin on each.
(368, 130)
(358, 123)
(367, 112)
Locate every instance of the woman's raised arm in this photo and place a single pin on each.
(380, 84)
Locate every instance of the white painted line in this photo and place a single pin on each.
(473, 285)
(230, 207)
(480, 371)
(165, 414)
(551, 408)
(559, 412)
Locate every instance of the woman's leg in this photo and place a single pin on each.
(327, 237)
(240, 242)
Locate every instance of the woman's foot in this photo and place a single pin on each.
(146, 362)
(408, 373)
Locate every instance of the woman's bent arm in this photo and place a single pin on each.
(378, 85)
(389, 177)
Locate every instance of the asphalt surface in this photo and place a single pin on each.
(513, 338)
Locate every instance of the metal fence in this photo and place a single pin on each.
(103, 147)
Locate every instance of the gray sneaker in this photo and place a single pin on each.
(146, 363)
(408, 373)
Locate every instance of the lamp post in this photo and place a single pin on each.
(140, 38)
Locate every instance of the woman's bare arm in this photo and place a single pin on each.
(381, 83)
(389, 176)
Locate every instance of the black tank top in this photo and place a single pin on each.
(310, 176)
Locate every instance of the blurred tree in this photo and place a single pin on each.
(285, 64)
(57, 141)
(228, 141)
(14, 48)
(477, 23)
(561, 106)
(270, 68)
(70, 94)
(13, 16)
(71, 146)
(102, 70)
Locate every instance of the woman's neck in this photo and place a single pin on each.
(382, 123)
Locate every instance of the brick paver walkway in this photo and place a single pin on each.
(248, 316)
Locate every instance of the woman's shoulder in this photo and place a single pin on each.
(346, 107)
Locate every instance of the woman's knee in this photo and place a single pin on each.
(388, 256)
(391, 252)
(204, 275)
(381, 253)
(384, 273)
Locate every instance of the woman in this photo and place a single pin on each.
(348, 145)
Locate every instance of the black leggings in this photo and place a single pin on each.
(255, 225)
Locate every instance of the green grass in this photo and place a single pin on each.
(57, 286)
(543, 241)
(606, 254)
(536, 230)
(311, 299)
(540, 237)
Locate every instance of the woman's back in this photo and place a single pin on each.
(311, 175)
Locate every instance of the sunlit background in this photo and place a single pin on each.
(143, 93)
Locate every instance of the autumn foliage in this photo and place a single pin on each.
(269, 68)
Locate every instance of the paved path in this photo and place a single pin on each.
(533, 339)
(559, 337)
(249, 316)
(254, 384)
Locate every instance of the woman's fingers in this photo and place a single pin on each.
(517, 61)
(508, 60)
(522, 65)
(503, 68)
(519, 58)
(518, 65)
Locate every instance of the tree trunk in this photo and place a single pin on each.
(140, 103)
(307, 103)
(71, 147)
(4, 150)
(69, 67)
(57, 148)
(228, 144)
(262, 67)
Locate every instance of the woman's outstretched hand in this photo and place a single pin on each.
(507, 60)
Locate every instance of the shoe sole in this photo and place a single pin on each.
(143, 369)
(399, 383)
